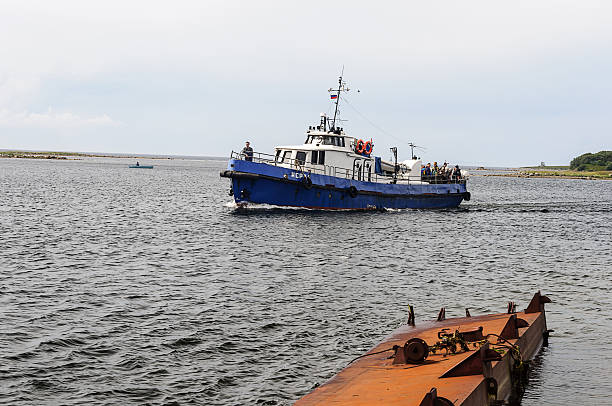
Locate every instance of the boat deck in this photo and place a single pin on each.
(464, 378)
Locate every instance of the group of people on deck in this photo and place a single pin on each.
(441, 173)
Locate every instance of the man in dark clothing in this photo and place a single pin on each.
(457, 172)
(247, 151)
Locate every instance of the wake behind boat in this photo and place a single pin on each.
(335, 171)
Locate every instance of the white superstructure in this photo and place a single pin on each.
(333, 152)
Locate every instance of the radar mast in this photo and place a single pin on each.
(336, 92)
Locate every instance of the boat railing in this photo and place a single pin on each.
(359, 174)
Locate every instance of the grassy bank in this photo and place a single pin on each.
(564, 173)
(39, 155)
(546, 168)
(68, 155)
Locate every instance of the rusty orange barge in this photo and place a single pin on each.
(480, 360)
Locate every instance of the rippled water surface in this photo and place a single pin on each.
(123, 286)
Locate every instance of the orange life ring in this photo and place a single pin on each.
(368, 148)
(359, 147)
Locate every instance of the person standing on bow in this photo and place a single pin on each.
(247, 152)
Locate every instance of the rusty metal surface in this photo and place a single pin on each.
(380, 380)
(477, 363)
(511, 329)
(537, 303)
(432, 399)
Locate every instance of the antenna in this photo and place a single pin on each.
(412, 147)
(341, 88)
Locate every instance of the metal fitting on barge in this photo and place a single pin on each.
(468, 361)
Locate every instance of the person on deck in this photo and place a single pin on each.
(444, 170)
(247, 151)
(426, 172)
(456, 173)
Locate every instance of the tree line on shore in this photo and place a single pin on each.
(599, 161)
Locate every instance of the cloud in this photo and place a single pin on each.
(268, 38)
(17, 90)
(434, 71)
(52, 120)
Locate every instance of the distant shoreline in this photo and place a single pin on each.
(549, 172)
(46, 155)
(80, 155)
(556, 172)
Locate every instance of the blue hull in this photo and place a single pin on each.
(268, 184)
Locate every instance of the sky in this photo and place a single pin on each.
(473, 82)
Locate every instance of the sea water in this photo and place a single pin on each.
(121, 286)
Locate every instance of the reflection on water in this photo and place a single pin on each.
(120, 285)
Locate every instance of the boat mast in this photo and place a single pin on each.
(340, 88)
(412, 147)
(337, 100)
(412, 150)
(395, 165)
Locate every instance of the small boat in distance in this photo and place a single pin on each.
(138, 166)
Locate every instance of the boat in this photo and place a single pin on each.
(469, 361)
(332, 170)
(138, 166)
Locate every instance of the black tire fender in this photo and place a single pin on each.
(306, 182)
(352, 191)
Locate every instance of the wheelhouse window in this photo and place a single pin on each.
(300, 158)
(314, 158)
(333, 140)
(321, 157)
(278, 151)
(286, 156)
